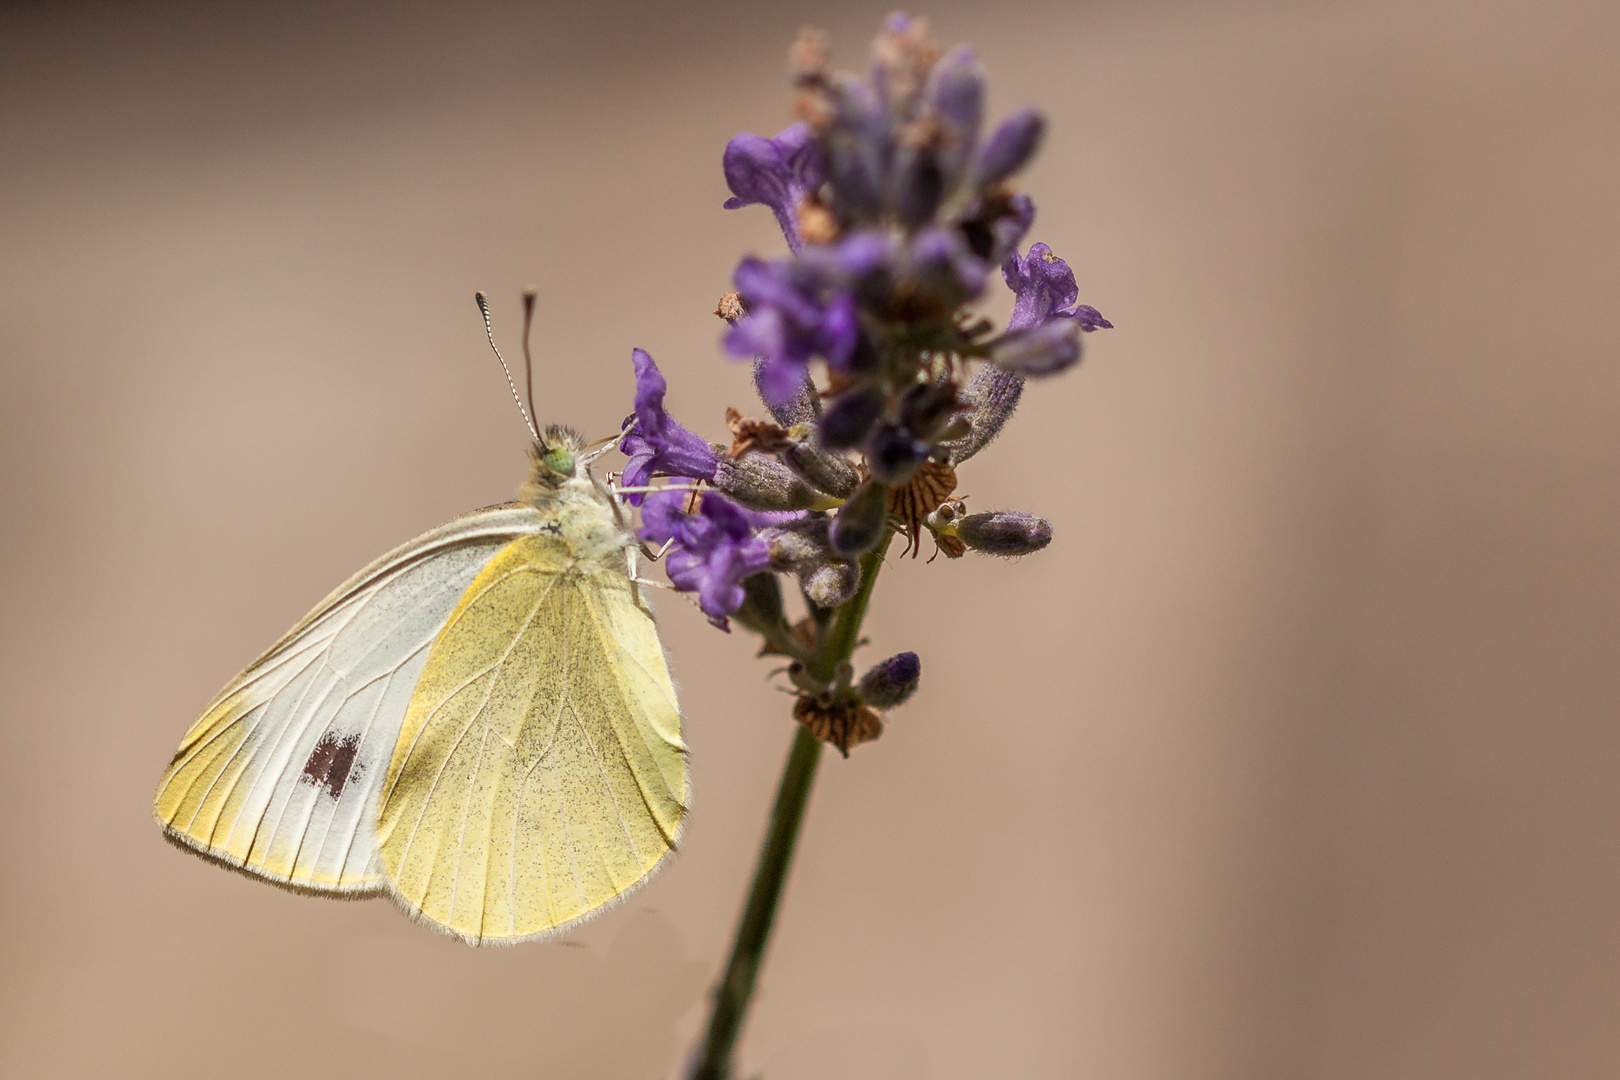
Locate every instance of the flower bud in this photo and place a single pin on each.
(861, 521)
(803, 406)
(993, 395)
(795, 545)
(824, 469)
(760, 482)
(953, 101)
(855, 147)
(831, 584)
(1009, 147)
(1041, 350)
(850, 418)
(890, 683)
(1005, 532)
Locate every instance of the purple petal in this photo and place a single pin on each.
(777, 173)
(715, 548)
(862, 254)
(764, 333)
(1088, 317)
(663, 517)
(839, 328)
(1041, 284)
(659, 443)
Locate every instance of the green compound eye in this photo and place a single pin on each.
(560, 460)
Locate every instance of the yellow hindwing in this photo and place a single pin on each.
(540, 770)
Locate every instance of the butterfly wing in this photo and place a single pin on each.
(282, 774)
(540, 771)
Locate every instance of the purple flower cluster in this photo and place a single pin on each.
(897, 203)
(714, 548)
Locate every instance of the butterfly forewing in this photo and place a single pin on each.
(539, 771)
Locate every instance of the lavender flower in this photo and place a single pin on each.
(714, 549)
(777, 173)
(1043, 289)
(793, 316)
(659, 443)
(1042, 338)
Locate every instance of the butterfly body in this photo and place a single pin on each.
(480, 724)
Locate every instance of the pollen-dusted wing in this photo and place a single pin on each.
(542, 754)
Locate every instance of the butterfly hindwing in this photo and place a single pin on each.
(539, 771)
(282, 774)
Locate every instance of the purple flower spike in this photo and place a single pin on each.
(791, 318)
(777, 173)
(1044, 289)
(714, 549)
(658, 443)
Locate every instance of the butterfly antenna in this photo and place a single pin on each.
(528, 361)
(489, 331)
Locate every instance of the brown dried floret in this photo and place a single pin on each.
(920, 496)
(730, 307)
(749, 434)
(842, 722)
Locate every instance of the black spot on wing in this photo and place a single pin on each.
(331, 762)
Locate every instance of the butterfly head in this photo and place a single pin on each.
(556, 458)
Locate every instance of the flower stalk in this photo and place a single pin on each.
(736, 989)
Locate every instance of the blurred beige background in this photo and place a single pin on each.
(1296, 755)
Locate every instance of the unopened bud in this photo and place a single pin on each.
(861, 521)
(824, 469)
(795, 545)
(993, 395)
(890, 683)
(802, 407)
(1041, 350)
(1009, 147)
(809, 56)
(831, 584)
(1005, 532)
(760, 482)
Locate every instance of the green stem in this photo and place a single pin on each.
(736, 989)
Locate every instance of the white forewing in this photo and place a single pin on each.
(282, 775)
